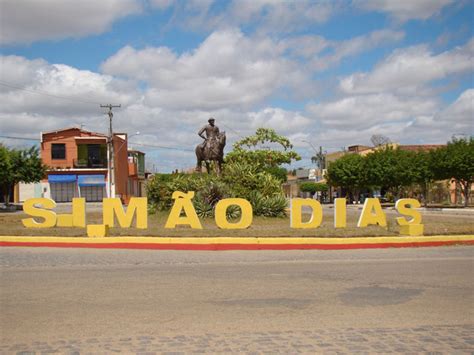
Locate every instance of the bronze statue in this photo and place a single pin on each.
(212, 148)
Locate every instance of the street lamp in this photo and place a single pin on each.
(128, 138)
(318, 157)
(311, 144)
(314, 149)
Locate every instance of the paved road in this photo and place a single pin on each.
(106, 301)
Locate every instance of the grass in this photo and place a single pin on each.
(10, 224)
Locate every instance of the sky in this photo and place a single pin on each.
(322, 73)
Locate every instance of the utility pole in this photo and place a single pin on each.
(110, 152)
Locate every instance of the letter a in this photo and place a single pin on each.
(367, 217)
(183, 202)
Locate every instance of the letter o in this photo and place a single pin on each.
(245, 218)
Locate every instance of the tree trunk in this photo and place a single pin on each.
(357, 195)
(6, 197)
(425, 194)
(466, 189)
(6, 194)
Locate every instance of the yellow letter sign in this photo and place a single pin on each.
(183, 202)
(296, 213)
(404, 206)
(78, 216)
(246, 215)
(367, 217)
(137, 206)
(48, 216)
(340, 213)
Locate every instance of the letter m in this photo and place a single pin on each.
(137, 206)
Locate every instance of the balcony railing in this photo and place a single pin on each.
(92, 163)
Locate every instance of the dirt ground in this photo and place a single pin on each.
(435, 224)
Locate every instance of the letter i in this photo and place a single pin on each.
(340, 215)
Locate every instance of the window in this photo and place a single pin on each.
(93, 193)
(58, 151)
(63, 192)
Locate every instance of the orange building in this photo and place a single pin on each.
(77, 161)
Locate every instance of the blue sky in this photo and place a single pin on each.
(332, 73)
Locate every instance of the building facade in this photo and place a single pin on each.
(77, 163)
(136, 173)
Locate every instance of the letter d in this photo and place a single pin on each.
(296, 210)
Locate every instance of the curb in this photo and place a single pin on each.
(225, 243)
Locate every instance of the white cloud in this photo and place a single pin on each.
(354, 46)
(409, 120)
(226, 70)
(56, 89)
(280, 16)
(34, 108)
(459, 116)
(279, 119)
(161, 4)
(271, 16)
(26, 21)
(408, 70)
(404, 10)
(365, 111)
(305, 46)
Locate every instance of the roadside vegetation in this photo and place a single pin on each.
(402, 173)
(251, 172)
(19, 165)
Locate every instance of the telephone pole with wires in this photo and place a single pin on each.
(110, 152)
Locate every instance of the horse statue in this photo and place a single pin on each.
(213, 150)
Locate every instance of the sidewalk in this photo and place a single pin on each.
(226, 243)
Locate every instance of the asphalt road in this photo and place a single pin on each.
(105, 301)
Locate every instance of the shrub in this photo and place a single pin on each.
(267, 206)
(279, 173)
(243, 178)
(261, 189)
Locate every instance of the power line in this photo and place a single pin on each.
(110, 151)
(139, 144)
(233, 130)
(162, 147)
(20, 138)
(39, 92)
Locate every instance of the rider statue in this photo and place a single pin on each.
(212, 133)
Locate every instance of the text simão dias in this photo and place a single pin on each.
(183, 213)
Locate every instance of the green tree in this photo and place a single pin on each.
(246, 151)
(455, 161)
(422, 172)
(278, 172)
(19, 166)
(348, 172)
(313, 187)
(390, 169)
(250, 173)
(308, 187)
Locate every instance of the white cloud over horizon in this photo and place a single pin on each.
(405, 10)
(27, 21)
(332, 123)
(409, 70)
(250, 64)
(226, 70)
